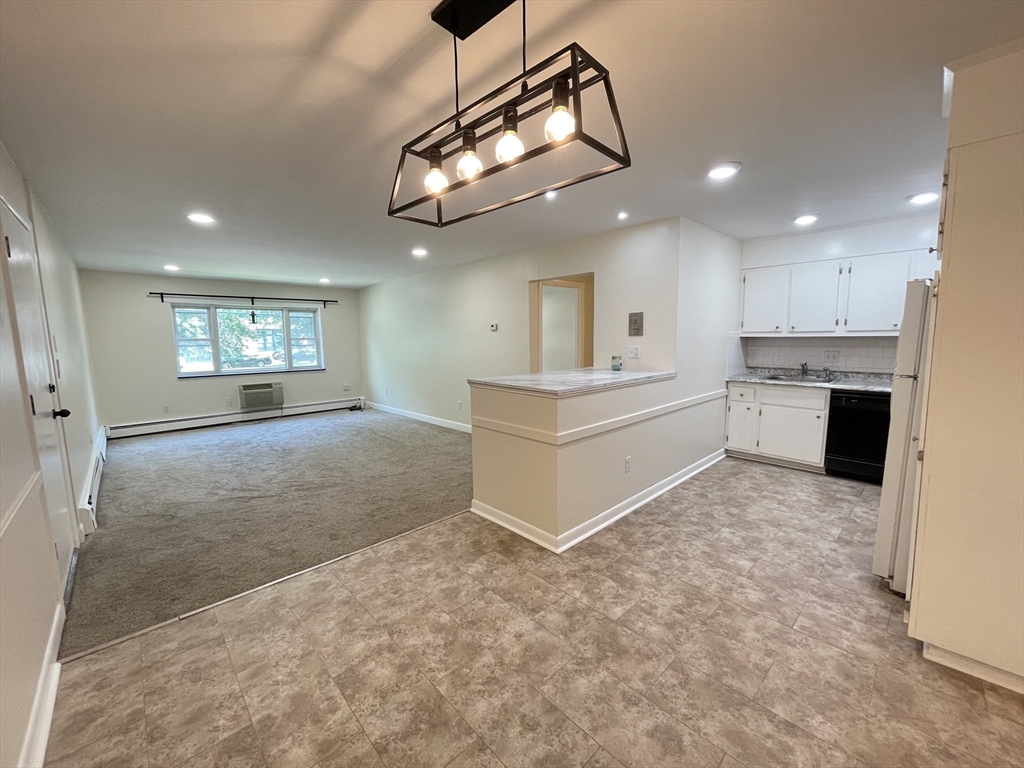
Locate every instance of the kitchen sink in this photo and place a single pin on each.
(796, 377)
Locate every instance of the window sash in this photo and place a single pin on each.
(182, 343)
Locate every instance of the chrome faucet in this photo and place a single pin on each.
(803, 369)
(828, 374)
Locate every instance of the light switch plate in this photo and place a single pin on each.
(634, 351)
(831, 355)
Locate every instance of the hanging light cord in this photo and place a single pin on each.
(455, 43)
(524, 35)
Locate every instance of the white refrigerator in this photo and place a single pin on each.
(897, 511)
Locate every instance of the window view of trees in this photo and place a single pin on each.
(229, 339)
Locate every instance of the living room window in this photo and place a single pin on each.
(219, 340)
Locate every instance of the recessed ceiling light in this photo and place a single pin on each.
(551, 194)
(924, 198)
(724, 171)
(419, 253)
(623, 215)
(803, 221)
(201, 218)
(171, 267)
(325, 279)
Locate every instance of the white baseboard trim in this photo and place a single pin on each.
(214, 419)
(585, 530)
(33, 748)
(447, 423)
(973, 667)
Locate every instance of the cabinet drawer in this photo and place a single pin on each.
(795, 397)
(743, 394)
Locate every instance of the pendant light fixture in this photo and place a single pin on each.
(510, 117)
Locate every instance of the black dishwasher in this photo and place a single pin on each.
(858, 430)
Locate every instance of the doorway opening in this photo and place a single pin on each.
(562, 323)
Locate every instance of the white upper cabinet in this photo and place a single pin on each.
(765, 299)
(814, 297)
(877, 287)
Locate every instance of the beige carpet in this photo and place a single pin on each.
(190, 518)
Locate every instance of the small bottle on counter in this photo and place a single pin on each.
(616, 362)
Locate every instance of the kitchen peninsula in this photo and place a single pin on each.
(559, 455)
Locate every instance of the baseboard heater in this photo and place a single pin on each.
(87, 504)
(249, 414)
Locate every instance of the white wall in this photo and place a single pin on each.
(65, 316)
(131, 340)
(909, 234)
(424, 335)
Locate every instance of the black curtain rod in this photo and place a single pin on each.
(252, 299)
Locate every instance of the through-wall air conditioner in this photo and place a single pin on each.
(263, 395)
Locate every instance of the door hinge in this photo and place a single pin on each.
(744, 278)
(7, 245)
(56, 553)
(741, 323)
(850, 272)
(727, 438)
(52, 388)
(837, 321)
(757, 444)
(920, 455)
(32, 402)
(758, 411)
(840, 270)
(846, 320)
(728, 409)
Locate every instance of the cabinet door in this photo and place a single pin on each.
(741, 426)
(923, 264)
(878, 286)
(765, 297)
(797, 434)
(814, 297)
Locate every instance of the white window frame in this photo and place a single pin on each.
(211, 318)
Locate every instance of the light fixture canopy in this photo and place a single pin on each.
(805, 220)
(724, 170)
(923, 198)
(502, 114)
(198, 217)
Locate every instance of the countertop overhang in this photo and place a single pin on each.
(848, 383)
(568, 383)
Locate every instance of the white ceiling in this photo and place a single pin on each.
(284, 120)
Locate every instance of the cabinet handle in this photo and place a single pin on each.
(776, 327)
(817, 417)
(895, 325)
(792, 327)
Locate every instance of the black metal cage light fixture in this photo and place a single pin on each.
(554, 87)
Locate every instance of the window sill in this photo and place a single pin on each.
(256, 372)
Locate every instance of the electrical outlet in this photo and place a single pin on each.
(167, 409)
(228, 401)
(752, 354)
(629, 460)
(634, 351)
(831, 355)
(346, 387)
(460, 405)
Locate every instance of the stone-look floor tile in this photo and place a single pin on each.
(258, 627)
(603, 759)
(298, 712)
(191, 704)
(722, 556)
(371, 580)
(476, 755)
(953, 721)
(683, 598)
(519, 725)
(435, 642)
(514, 638)
(357, 753)
(443, 582)
(631, 533)
(511, 546)
(566, 617)
(896, 624)
(737, 725)
(737, 589)
(100, 704)
(749, 544)
(631, 658)
(587, 586)
(591, 553)
(468, 523)
(725, 659)
(629, 726)
(410, 723)
(731, 762)
(239, 750)
(162, 643)
(306, 585)
(324, 619)
(879, 741)
(641, 571)
(1004, 703)
(122, 749)
(527, 592)
(657, 622)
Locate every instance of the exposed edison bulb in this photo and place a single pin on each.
(435, 181)
(559, 124)
(509, 147)
(469, 166)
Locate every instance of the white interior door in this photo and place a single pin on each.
(765, 298)
(878, 287)
(28, 315)
(814, 297)
(560, 307)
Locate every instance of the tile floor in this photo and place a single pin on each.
(731, 622)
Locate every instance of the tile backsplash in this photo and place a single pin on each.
(856, 354)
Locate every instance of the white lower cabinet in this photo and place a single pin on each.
(776, 422)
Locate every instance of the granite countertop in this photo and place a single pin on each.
(864, 382)
(575, 382)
